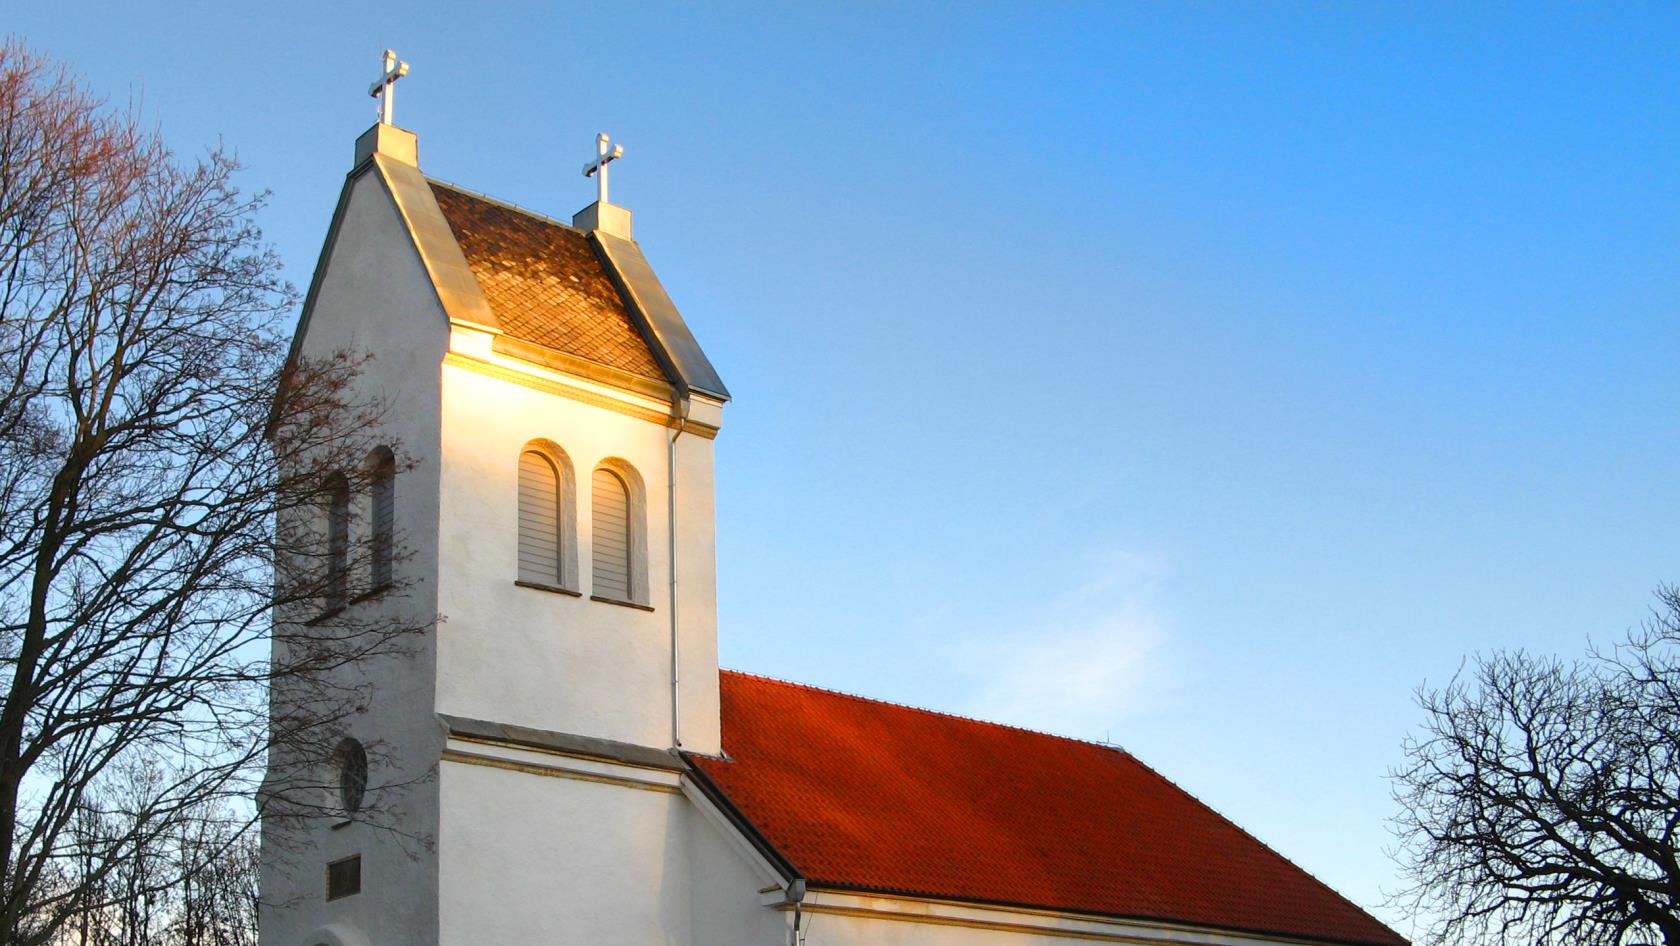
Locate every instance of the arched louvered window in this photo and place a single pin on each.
(539, 520)
(338, 542)
(352, 761)
(383, 497)
(610, 535)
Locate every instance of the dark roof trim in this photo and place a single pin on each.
(479, 730)
(746, 828)
(457, 289)
(673, 345)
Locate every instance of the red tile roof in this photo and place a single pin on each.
(545, 283)
(870, 796)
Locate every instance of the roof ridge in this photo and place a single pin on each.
(504, 204)
(1111, 746)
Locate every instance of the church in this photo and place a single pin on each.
(559, 758)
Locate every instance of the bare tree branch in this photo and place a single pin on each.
(1541, 799)
(161, 498)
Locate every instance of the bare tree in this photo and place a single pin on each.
(159, 461)
(197, 888)
(219, 903)
(1541, 802)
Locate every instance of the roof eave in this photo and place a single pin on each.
(715, 794)
(1281, 936)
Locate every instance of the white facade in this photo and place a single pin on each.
(551, 661)
(528, 790)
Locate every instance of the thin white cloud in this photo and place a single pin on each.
(1092, 659)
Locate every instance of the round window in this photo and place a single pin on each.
(352, 775)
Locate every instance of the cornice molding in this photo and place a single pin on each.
(560, 765)
(1036, 922)
(580, 390)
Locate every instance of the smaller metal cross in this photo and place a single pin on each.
(385, 89)
(598, 167)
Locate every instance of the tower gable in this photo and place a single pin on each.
(584, 302)
(385, 159)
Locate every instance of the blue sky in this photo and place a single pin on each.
(1199, 377)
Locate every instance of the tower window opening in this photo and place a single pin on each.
(382, 497)
(344, 877)
(610, 535)
(539, 520)
(352, 763)
(338, 542)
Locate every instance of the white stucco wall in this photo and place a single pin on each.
(590, 863)
(846, 919)
(557, 662)
(374, 298)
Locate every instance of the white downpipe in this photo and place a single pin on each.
(671, 553)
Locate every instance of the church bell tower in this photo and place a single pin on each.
(552, 420)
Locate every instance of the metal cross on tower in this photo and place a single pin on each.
(604, 155)
(385, 89)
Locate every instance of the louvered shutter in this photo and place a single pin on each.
(539, 519)
(338, 543)
(384, 524)
(610, 536)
